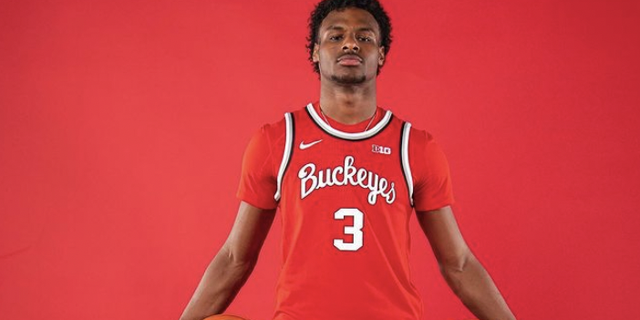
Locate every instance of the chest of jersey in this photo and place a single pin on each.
(323, 163)
(368, 171)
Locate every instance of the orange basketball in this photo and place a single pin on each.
(224, 317)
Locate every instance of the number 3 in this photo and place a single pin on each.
(355, 229)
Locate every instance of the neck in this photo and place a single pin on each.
(348, 104)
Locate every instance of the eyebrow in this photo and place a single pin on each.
(340, 28)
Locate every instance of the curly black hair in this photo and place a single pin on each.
(325, 7)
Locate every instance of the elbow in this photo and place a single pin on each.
(244, 262)
(453, 269)
(455, 264)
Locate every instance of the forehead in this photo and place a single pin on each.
(350, 17)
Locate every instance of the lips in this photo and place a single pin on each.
(349, 60)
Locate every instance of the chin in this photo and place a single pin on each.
(349, 79)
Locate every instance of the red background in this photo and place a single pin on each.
(123, 125)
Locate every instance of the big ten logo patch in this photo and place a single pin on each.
(380, 149)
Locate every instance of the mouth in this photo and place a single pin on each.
(349, 60)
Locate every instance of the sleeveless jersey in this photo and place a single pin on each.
(345, 201)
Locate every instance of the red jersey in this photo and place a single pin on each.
(346, 199)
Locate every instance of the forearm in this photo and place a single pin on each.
(219, 285)
(477, 291)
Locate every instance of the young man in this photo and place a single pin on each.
(346, 175)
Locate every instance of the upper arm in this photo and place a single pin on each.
(447, 243)
(258, 185)
(260, 164)
(430, 172)
(249, 231)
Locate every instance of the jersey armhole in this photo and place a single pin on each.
(404, 159)
(288, 151)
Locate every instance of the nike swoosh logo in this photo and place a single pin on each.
(308, 145)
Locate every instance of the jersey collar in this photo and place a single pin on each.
(346, 135)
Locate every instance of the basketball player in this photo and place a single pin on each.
(346, 175)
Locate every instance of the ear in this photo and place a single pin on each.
(382, 57)
(315, 56)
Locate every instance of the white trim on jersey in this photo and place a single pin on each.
(345, 135)
(405, 159)
(286, 156)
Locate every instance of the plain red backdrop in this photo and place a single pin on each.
(123, 125)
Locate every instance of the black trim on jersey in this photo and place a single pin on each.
(341, 138)
(293, 147)
(406, 181)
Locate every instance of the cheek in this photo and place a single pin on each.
(375, 60)
(324, 58)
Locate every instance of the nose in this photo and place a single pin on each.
(350, 44)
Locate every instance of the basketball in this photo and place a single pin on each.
(224, 317)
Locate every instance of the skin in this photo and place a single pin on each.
(231, 267)
(348, 92)
(348, 95)
(464, 274)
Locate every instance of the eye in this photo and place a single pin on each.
(365, 39)
(335, 37)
